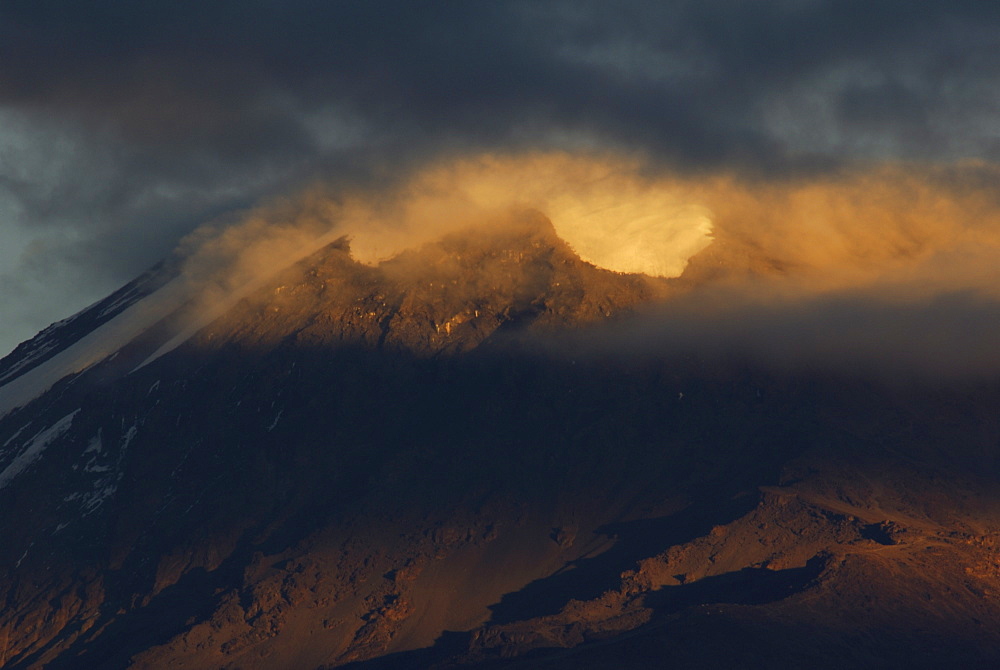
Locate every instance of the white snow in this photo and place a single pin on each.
(103, 479)
(37, 353)
(23, 556)
(14, 436)
(108, 338)
(102, 491)
(129, 295)
(96, 449)
(274, 424)
(44, 337)
(93, 347)
(129, 436)
(33, 450)
(95, 444)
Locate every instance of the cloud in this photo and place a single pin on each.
(891, 223)
(942, 337)
(604, 205)
(890, 271)
(135, 123)
(694, 81)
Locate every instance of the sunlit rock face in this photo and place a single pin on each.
(449, 295)
(418, 461)
(610, 213)
(287, 409)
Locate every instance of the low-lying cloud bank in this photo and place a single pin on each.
(123, 126)
(894, 269)
(609, 211)
(943, 337)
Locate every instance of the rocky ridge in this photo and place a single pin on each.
(376, 467)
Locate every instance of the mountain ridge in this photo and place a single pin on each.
(351, 466)
(449, 295)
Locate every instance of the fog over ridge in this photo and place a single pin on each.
(890, 267)
(123, 128)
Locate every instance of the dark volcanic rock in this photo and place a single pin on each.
(447, 297)
(377, 467)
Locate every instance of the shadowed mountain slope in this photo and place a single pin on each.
(380, 467)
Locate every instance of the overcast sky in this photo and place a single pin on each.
(124, 125)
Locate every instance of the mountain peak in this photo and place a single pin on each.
(311, 479)
(449, 295)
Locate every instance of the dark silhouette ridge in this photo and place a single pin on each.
(168, 613)
(587, 578)
(750, 586)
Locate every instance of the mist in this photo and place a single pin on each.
(892, 272)
(892, 269)
(604, 207)
(124, 128)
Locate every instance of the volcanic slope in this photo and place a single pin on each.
(388, 466)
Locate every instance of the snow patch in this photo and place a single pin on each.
(23, 556)
(129, 436)
(96, 449)
(274, 424)
(14, 436)
(33, 450)
(27, 360)
(95, 444)
(104, 477)
(93, 347)
(129, 296)
(103, 490)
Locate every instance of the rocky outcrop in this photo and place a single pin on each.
(449, 296)
(377, 466)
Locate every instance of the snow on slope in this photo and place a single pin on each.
(193, 294)
(51, 340)
(32, 451)
(94, 346)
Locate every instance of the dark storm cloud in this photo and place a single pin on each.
(135, 122)
(235, 80)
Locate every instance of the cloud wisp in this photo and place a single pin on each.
(890, 269)
(891, 272)
(125, 127)
(604, 206)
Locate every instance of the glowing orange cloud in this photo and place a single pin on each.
(610, 213)
(905, 231)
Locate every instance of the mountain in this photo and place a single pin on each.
(424, 463)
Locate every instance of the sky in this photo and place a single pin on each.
(126, 126)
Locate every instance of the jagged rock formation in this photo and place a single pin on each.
(377, 467)
(447, 297)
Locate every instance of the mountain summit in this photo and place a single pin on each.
(399, 465)
(448, 296)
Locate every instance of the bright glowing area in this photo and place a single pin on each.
(604, 208)
(653, 233)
